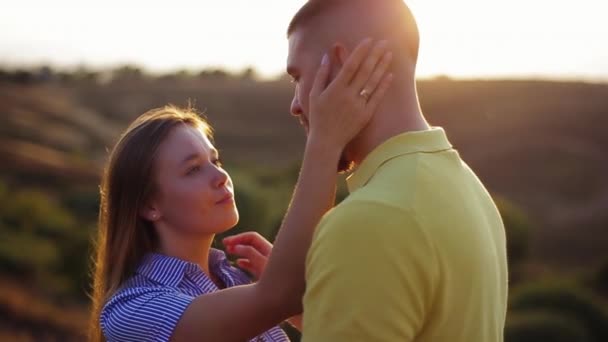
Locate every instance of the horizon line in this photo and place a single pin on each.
(257, 75)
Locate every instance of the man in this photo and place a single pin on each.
(417, 251)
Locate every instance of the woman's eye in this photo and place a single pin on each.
(218, 162)
(194, 169)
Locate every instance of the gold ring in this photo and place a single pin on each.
(364, 93)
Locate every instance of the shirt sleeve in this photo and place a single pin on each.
(143, 314)
(370, 276)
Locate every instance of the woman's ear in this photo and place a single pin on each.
(150, 213)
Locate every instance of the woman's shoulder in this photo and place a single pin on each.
(147, 304)
(137, 286)
(142, 311)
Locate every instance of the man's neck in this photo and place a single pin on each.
(396, 115)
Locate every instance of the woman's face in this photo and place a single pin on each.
(195, 195)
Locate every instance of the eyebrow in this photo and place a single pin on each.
(193, 156)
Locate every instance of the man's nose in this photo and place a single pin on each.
(296, 109)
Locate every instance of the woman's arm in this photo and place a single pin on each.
(338, 113)
(253, 251)
(242, 312)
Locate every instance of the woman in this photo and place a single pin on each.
(164, 196)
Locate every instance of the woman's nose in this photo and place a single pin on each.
(221, 177)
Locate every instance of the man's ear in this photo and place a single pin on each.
(337, 57)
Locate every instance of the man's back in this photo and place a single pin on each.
(415, 253)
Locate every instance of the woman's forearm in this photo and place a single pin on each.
(314, 195)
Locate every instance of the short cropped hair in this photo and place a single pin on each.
(399, 13)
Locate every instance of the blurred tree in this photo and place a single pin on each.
(544, 327)
(183, 74)
(83, 74)
(3, 192)
(36, 212)
(518, 228)
(82, 202)
(214, 74)
(249, 74)
(65, 77)
(42, 241)
(127, 73)
(599, 280)
(4, 75)
(567, 300)
(26, 254)
(45, 74)
(22, 77)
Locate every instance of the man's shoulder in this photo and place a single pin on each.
(361, 217)
(359, 206)
(374, 229)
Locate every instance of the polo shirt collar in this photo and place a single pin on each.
(428, 141)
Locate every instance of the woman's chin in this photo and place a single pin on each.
(232, 223)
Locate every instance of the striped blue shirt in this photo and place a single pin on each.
(149, 304)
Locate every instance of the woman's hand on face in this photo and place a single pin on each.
(340, 109)
(252, 250)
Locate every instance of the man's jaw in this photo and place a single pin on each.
(344, 165)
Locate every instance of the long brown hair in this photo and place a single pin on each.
(124, 237)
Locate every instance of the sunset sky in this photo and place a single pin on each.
(465, 38)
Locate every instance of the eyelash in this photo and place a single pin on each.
(193, 169)
(216, 162)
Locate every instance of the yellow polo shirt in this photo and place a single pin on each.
(417, 252)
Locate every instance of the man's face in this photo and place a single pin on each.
(303, 61)
(302, 65)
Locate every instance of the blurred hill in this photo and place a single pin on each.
(541, 144)
(536, 144)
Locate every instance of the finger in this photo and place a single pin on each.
(378, 95)
(253, 239)
(231, 240)
(246, 265)
(369, 65)
(350, 67)
(378, 74)
(250, 253)
(320, 82)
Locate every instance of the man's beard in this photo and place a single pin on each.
(344, 165)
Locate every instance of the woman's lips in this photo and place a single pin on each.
(226, 200)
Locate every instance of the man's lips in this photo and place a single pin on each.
(304, 123)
